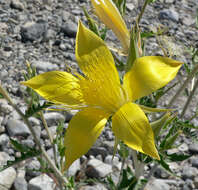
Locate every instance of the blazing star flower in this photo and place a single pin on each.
(98, 94)
(108, 13)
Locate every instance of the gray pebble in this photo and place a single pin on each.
(33, 165)
(17, 128)
(157, 184)
(32, 31)
(193, 148)
(20, 184)
(4, 157)
(41, 182)
(96, 169)
(69, 29)
(74, 168)
(44, 65)
(7, 178)
(16, 4)
(189, 172)
(169, 14)
(52, 118)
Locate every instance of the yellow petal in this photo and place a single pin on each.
(101, 85)
(131, 125)
(110, 16)
(58, 87)
(148, 74)
(83, 130)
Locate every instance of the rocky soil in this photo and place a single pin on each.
(43, 32)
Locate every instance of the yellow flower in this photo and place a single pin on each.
(108, 13)
(98, 94)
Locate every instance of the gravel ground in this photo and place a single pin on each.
(43, 32)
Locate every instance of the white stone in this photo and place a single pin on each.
(7, 178)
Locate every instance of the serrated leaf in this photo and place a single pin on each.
(164, 165)
(19, 147)
(178, 157)
(33, 109)
(24, 156)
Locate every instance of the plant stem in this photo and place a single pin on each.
(121, 172)
(142, 11)
(138, 166)
(189, 99)
(50, 162)
(50, 137)
(189, 78)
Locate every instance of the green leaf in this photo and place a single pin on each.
(24, 156)
(34, 108)
(19, 147)
(1, 95)
(164, 165)
(177, 157)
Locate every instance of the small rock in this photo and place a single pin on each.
(69, 29)
(32, 31)
(195, 181)
(169, 1)
(33, 165)
(44, 65)
(161, 173)
(7, 178)
(97, 151)
(4, 106)
(52, 131)
(17, 128)
(41, 182)
(169, 14)
(52, 118)
(193, 148)
(16, 4)
(189, 172)
(183, 147)
(95, 187)
(157, 184)
(96, 169)
(194, 162)
(74, 168)
(34, 121)
(4, 140)
(130, 6)
(20, 184)
(4, 157)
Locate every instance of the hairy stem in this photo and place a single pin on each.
(189, 99)
(44, 153)
(142, 11)
(121, 172)
(50, 137)
(189, 78)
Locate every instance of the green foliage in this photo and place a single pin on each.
(94, 27)
(26, 153)
(36, 107)
(1, 95)
(177, 157)
(121, 5)
(31, 97)
(59, 141)
(128, 181)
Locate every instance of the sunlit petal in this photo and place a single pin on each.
(131, 125)
(110, 16)
(84, 128)
(101, 85)
(58, 87)
(148, 74)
